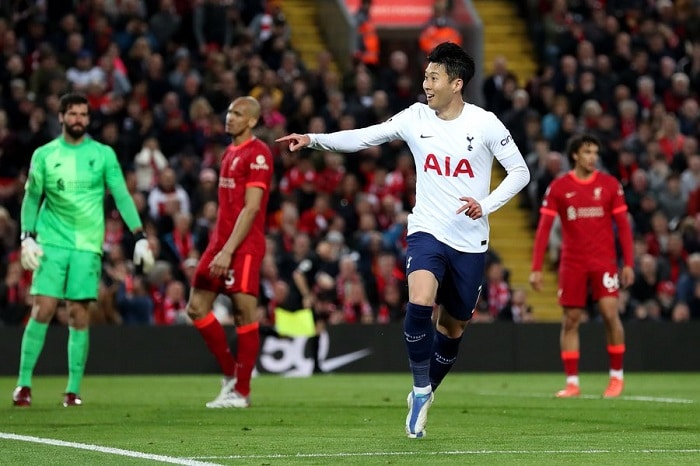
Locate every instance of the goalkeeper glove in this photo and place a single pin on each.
(143, 256)
(31, 252)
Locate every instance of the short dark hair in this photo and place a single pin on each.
(68, 100)
(576, 142)
(457, 62)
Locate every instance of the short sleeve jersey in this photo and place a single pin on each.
(247, 165)
(586, 209)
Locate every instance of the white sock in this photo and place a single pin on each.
(422, 390)
(572, 380)
(616, 374)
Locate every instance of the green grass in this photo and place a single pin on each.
(358, 419)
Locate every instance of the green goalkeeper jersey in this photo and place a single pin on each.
(65, 192)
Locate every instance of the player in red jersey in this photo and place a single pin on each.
(231, 263)
(587, 201)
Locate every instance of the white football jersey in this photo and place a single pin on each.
(453, 159)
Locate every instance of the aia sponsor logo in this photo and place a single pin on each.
(448, 167)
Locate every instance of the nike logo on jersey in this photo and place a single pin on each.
(569, 195)
(426, 136)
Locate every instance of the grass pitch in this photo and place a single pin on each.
(355, 420)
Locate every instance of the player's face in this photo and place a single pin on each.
(75, 120)
(439, 90)
(587, 158)
(238, 120)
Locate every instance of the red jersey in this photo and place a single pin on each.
(247, 165)
(587, 209)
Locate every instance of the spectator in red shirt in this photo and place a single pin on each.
(315, 221)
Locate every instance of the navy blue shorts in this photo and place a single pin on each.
(459, 274)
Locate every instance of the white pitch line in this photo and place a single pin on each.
(649, 399)
(108, 450)
(434, 453)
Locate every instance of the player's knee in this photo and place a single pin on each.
(42, 314)
(195, 310)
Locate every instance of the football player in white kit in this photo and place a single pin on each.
(453, 144)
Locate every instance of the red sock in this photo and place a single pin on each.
(247, 355)
(570, 360)
(215, 337)
(616, 353)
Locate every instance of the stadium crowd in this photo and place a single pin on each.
(160, 74)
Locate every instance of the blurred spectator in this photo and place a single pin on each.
(174, 306)
(167, 199)
(133, 301)
(367, 47)
(439, 28)
(496, 290)
(149, 163)
(688, 289)
(212, 25)
(15, 301)
(517, 310)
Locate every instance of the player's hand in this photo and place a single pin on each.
(471, 208)
(219, 266)
(143, 255)
(296, 141)
(31, 252)
(627, 277)
(536, 280)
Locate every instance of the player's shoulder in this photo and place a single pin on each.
(97, 146)
(561, 182)
(482, 121)
(260, 145)
(45, 149)
(608, 178)
(477, 111)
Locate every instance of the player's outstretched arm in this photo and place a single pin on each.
(296, 141)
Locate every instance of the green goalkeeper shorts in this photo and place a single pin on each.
(67, 274)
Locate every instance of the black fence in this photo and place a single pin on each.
(499, 347)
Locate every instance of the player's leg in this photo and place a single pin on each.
(82, 287)
(248, 343)
(243, 287)
(78, 349)
(425, 266)
(199, 308)
(572, 297)
(47, 288)
(570, 351)
(203, 319)
(32, 344)
(607, 295)
(445, 346)
(458, 294)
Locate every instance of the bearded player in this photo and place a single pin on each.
(62, 237)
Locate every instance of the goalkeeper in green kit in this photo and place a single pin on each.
(62, 237)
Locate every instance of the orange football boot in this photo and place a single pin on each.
(571, 391)
(614, 389)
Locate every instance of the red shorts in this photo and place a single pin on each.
(243, 275)
(574, 284)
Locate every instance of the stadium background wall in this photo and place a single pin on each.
(500, 347)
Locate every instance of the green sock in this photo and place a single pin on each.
(78, 345)
(32, 344)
